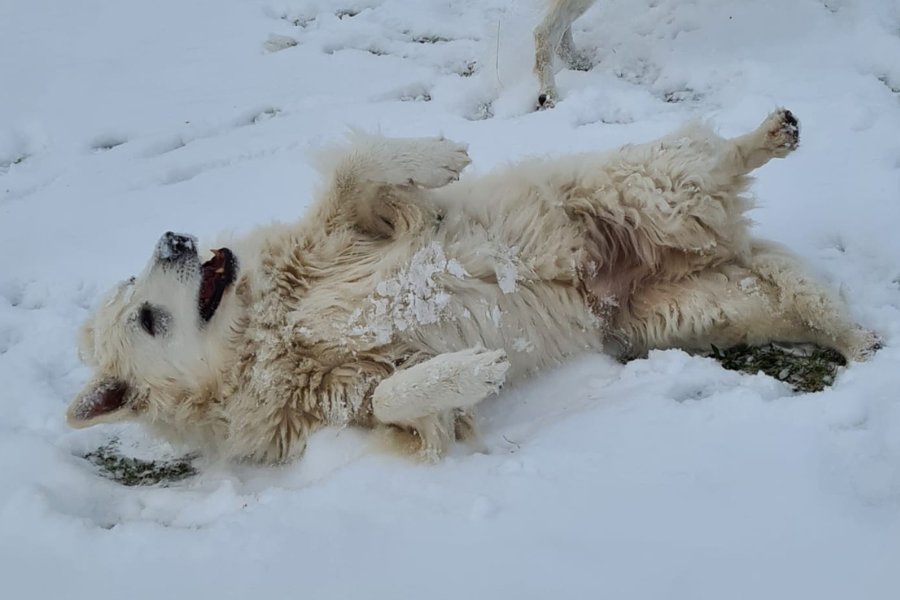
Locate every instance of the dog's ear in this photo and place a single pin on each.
(101, 401)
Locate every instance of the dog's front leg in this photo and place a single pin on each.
(377, 183)
(454, 380)
(424, 162)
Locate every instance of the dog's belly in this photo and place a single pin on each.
(501, 270)
(497, 276)
(442, 300)
(538, 324)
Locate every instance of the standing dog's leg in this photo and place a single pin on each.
(553, 34)
(377, 181)
(570, 53)
(426, 396)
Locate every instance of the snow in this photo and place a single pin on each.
(411, 297)
(663, 478)
(505, 268)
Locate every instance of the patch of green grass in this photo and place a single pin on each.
(806, 368)
(130, 471)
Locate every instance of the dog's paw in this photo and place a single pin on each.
(472, 374)
(489, 367)
(863, 345)
(546, 100)
(450, 159)
(435, 162)
(446, 382)
(782, 132)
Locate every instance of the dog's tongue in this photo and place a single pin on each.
(211, 271)
(216, 274)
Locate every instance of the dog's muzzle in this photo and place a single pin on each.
(174, 247)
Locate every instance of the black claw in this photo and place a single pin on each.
(789, 118)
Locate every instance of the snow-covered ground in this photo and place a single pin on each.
(664, 478)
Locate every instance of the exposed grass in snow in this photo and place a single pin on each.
(806, 368)
(129, 471)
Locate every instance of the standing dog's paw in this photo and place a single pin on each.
(783, 132)
(546, 100)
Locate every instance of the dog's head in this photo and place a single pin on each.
(155, 334)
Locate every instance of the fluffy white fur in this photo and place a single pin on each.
(402, 300)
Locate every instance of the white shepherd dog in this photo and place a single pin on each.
(402, 300)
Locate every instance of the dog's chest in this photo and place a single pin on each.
(371, 305)
(442, 295)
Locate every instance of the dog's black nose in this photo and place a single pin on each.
(173, 246)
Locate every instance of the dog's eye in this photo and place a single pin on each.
(147, 320)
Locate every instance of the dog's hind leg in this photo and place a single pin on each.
(376, 182)
(776, 137)
(809, 304)
(769, 300)
(705, 309)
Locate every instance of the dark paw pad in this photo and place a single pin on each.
(785, 131)
(790, 129)
(790, 119)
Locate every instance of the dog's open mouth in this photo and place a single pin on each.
(216, 275)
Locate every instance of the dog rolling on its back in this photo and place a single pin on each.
(404, 298)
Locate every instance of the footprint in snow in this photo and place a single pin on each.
(7, 163)
(277, 42)
(107, 141)
(180, 140)
(416, 92)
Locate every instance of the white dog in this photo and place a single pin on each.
(400, 302)
(553, 35)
